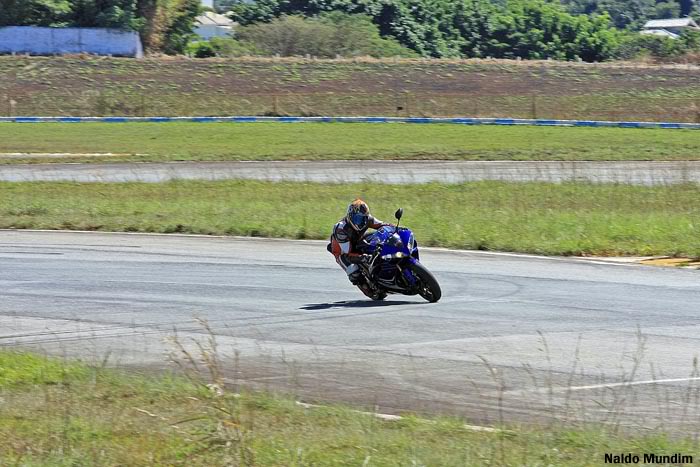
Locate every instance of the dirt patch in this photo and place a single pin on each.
(672, 262)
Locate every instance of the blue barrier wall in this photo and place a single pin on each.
(455, 121)
(56, 41)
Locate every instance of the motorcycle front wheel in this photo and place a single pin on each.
(428, 286)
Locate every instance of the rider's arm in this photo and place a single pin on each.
(376, 223)
(348, 255)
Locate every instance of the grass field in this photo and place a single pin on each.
(111, 86)
(285, 141)
(56, 413)
(567, 219)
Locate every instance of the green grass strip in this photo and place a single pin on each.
(542, 218)
(97, 416)
(285, 141)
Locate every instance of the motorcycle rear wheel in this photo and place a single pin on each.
(428, 288)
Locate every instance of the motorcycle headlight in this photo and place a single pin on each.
(411, 242)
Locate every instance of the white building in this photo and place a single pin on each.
(659, 32)
(212, 24)
(669, 27)
(35, 40)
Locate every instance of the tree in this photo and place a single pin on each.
(222, 6)
(624, 13)
(34, 12)
(121, 14)
(473, 20)
(596, 40)
(180, 25)
(168, 24)
(689, 7)
(664, 10)
(537, 29)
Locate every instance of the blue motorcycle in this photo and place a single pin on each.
(394, 266)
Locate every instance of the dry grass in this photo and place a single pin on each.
(418, 87)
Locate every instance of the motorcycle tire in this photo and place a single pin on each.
(428, 288)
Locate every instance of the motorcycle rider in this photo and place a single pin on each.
(346, 238)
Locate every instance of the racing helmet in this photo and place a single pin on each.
(358, 215)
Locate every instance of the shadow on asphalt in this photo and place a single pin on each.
(355, 304)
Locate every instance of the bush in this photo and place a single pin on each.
(221, 47)
(325, 36)
(636, 46)
(201, 49)
(356, 35)
(229, 47)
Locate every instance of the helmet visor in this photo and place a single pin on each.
(359, 220)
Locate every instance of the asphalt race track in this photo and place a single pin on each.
(514, 337)
(632, 172)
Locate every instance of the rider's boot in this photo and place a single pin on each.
(357, 279)
(366, 289)
(370, 291)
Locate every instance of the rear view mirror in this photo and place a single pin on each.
(398, 214)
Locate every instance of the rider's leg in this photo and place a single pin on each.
(352, 270)
(354, 274)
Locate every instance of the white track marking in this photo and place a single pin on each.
(631, 383)
(601, 386)
(381, 416)
(393, 418)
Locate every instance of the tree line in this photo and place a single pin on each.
(587, 30)
(164, 25)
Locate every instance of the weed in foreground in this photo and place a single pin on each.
(76, 413)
